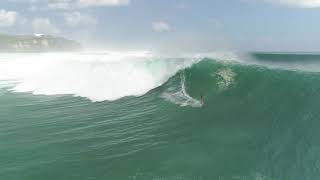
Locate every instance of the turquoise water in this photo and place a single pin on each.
(258, 123)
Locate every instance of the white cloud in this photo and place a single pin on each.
(85, 3)
(297, 3)
(216, 22)
(36, 5)
(7, 18)
(44, 26)
(76, 18)
(76, 4)
(182, 5)
(161, 26)
(59, 5)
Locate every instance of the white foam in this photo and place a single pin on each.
(226, 77)
(220, 55)
(180, 96)
(97, 76)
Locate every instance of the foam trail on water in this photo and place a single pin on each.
(96, 76)
(180, 96)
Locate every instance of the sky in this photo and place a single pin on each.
(191, 25)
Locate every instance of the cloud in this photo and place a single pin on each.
(215, 22)
(182, 5)
(76, 4)
(297, 3)
(161, 26)
(76, 18)
(44, 26)
(86, 3)
(59, 4)
(7, 18)
(38, 5)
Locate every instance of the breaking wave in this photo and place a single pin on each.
(96, 76)
(109, 76)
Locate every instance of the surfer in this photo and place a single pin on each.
(201, 100)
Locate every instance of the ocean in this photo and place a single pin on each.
(138, 116)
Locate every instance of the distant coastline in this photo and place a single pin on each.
(37, 43)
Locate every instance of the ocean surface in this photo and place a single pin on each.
(137, 116)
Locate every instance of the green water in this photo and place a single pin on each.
(258, 123)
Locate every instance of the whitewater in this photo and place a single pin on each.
(96, 76)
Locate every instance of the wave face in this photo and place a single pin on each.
(259, 120)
